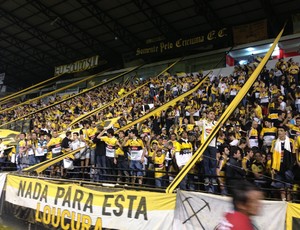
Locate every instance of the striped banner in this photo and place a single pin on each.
(97, 110)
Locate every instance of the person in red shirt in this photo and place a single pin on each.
(246, 199)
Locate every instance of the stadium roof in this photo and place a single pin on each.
(36, 36)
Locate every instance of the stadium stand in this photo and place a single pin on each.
(253, 144)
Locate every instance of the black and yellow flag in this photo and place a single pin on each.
(293, 216)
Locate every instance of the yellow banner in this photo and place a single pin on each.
(97, 110)
(90, 209)
(230, 109)
(293, 216)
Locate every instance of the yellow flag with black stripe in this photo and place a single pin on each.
(293, 216)
(230, 109)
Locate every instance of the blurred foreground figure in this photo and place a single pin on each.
(246, 199)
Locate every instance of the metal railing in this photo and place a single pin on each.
(120, 178)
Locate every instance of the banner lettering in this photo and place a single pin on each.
(77, 66)
(189, 42)
(90, 209)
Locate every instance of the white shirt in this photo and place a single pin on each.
(283, 106)
(206, 127)
(282, 90)
(278, 73)
(222, 87)
(234, 142)
(175, 89)
(75, 144)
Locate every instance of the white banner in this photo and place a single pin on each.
(77, 66)
(91, 209)
(205, 211)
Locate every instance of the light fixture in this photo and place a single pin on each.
(243, 62)
(249, 49)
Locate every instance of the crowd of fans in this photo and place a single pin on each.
(260, 142)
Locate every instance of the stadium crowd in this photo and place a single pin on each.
(260, 142)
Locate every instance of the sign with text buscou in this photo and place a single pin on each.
(77, 66)
(89, 209)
